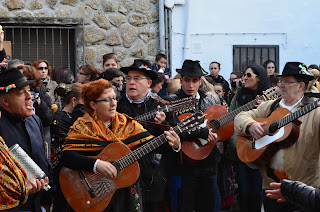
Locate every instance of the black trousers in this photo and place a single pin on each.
(197, 193)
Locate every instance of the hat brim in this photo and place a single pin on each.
(308, 77)
(190, 74)
(150, 73)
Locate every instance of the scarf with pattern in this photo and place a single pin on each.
(13, 190)
(88, 133)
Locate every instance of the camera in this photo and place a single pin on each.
(34, 95)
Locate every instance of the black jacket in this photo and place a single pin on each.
(302, 195)
(28, 134)
(152, 175)
(207, 166)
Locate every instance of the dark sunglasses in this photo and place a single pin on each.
(248, 75)
(42, 68)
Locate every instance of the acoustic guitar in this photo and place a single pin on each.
(91, 192)
(221, 122)
(281, 131)
(182, 106)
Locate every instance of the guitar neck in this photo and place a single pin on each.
(230, 116)
(143, 150)
(151, 114)
(182, 104)
(297, 114)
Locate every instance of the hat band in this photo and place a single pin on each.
(7, 88)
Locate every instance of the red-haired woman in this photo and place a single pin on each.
(90, 134)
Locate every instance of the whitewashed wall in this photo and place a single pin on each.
(215, 26)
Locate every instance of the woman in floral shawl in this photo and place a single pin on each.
(90, 134)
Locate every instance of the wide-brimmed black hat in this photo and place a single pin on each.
(143, 66)
(13, 78)
(192, 68)
(296, 69)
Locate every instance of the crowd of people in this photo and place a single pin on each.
(91, 125)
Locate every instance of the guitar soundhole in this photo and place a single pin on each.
(215, 125)
(273, 128)
(103, 186)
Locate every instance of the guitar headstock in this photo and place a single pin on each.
(271, 94)
(191, 123)
(183, 105)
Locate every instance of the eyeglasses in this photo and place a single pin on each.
(248, 75)
(82, 73)
(107, 100)
(136, 79)
(285, 82)
(42, 68)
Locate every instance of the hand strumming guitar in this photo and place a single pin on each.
(256, 130)
(107, 169)
(212, 137)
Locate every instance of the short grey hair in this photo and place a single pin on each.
(13, 63)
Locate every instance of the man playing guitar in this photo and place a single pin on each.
(301, 161)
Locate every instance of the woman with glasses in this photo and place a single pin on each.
(254, 82)
(100, 126)
(45, 71)
(87, 73)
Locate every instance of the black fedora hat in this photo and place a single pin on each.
(192, 68)
(143, 66)
(13, 78)
(296, 69)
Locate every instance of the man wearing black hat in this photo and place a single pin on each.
(138, 101)
(301, 161)
(18, 125)
(198, 179)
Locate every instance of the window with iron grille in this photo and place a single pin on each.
(57, 43)
(243, 56)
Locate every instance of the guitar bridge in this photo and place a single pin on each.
(87, 185)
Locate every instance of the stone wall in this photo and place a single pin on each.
(129, 28)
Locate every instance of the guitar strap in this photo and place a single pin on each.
(274, 105)
(317, 95)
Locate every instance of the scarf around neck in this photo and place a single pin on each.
(88, 133)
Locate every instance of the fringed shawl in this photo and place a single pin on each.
(88, 133)
(13, 190)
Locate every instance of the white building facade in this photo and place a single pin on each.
(209, 30)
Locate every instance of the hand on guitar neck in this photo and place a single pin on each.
(256, 130)
(160, 116)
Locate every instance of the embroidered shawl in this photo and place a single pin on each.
(13, 190)
(88, 133)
